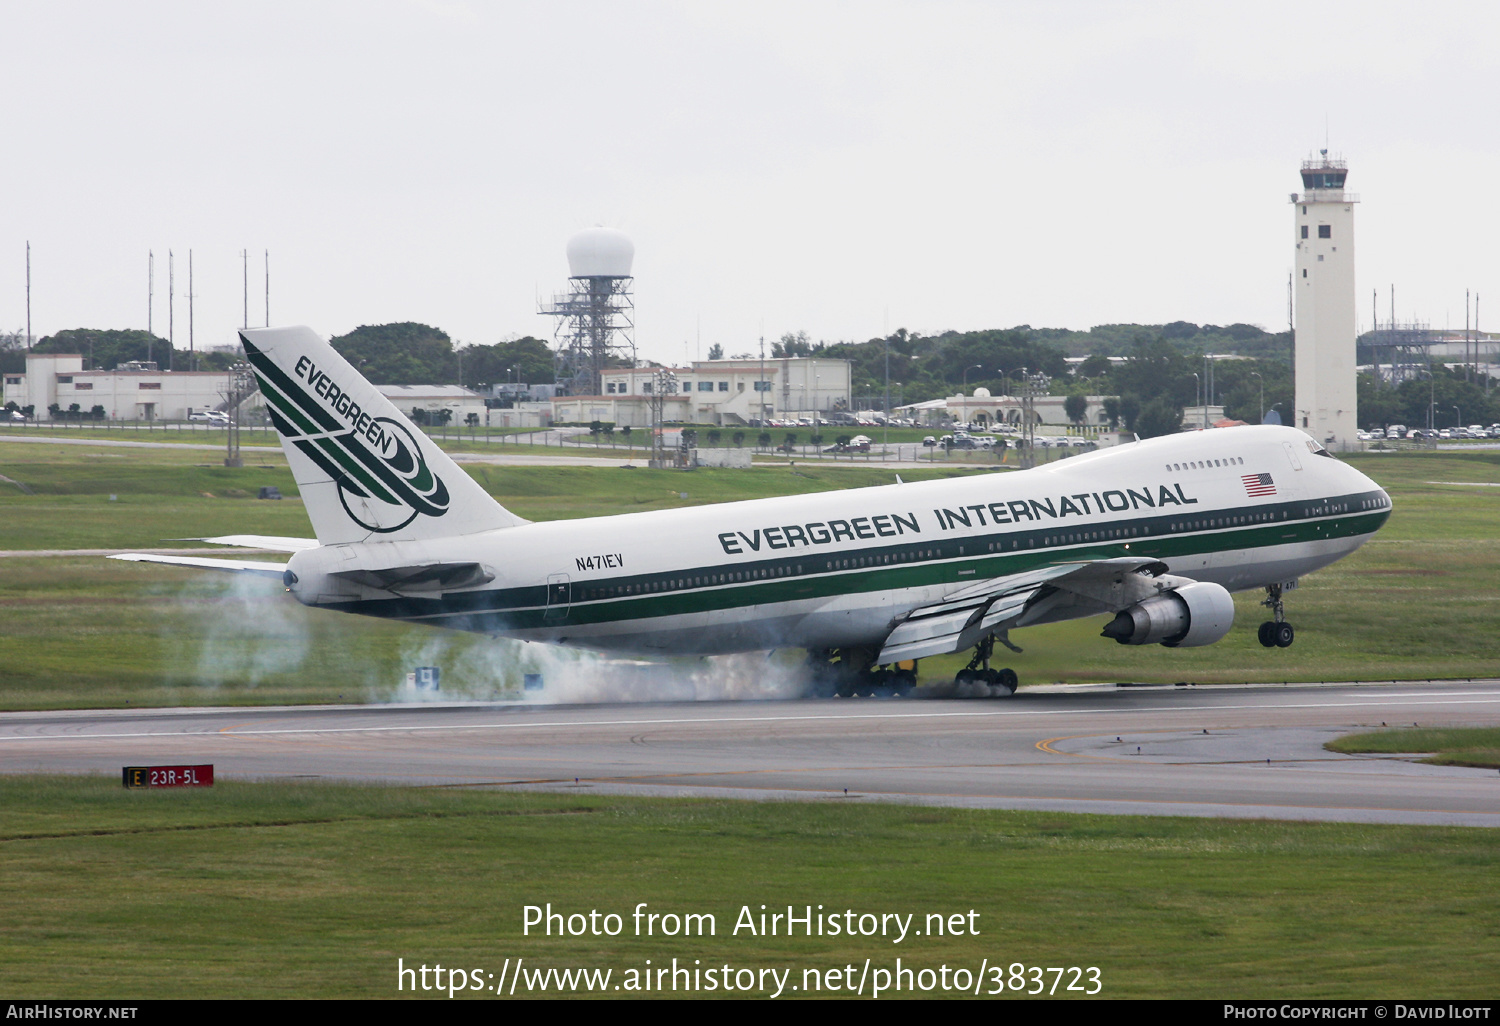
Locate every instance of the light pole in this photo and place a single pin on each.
(1198, 394)
(965, 391)
(1459, 422)
(885, 438)
(976, 366)
(1256, 374)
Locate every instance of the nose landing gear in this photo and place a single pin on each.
(1276, 632)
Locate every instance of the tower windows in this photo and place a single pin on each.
(1304, 231)
(1325, 231)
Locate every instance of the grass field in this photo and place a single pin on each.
(287, 889)
(1467, 746)
(1418, 602)
(315, 890)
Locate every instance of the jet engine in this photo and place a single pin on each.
(1193, 614)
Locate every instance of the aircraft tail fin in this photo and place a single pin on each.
(366, 473)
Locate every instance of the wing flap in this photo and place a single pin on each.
(967, 615)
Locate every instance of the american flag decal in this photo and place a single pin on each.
(1258, 484)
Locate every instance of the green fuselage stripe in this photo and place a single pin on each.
(941, 559)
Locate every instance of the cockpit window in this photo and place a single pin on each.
(1318, 450)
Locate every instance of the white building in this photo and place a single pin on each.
(985, 410)
(433, 399)
(723, 392)
(127, 393)
(1325, 323)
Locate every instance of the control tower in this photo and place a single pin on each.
(1323, 283)
(594, 318)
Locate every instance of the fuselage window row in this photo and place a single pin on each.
(1047, 540)
(1236, 461)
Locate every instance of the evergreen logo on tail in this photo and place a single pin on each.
(383, 480)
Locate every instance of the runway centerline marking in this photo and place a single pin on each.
(1459, 699)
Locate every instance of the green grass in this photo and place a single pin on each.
(133, 431)
(1454, 746)
(315, 890)
(1415, 603)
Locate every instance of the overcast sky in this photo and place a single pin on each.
(835, 168)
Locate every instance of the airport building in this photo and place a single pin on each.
(428, 402)
(133, 391)
(722, 392)
(1325, 324)
(983, 410)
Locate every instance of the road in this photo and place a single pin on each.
(1252, 751)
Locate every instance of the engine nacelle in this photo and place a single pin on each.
(1194, 614)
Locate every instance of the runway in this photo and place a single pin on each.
(1251, 752)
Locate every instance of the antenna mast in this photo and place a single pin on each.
(192, 350)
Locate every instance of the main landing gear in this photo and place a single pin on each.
(1276, 632)
(851, 673)
(979, 670)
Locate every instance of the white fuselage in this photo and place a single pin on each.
(1243, 508)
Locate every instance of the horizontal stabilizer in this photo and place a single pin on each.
(425, 577)
(240, 566)
(274, 543)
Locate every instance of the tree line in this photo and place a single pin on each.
(1152, 387)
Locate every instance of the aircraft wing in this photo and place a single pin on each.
(242, 566)
(967, 615)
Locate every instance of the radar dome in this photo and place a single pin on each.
(981, 393)
(600, 252)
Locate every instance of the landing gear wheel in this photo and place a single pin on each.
(841, 672)
(1267, 634)
(1284, 635)
(1007, 679)
(903, 681)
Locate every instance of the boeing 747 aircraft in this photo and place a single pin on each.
(868, 580)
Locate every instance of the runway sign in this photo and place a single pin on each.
(168, 776)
